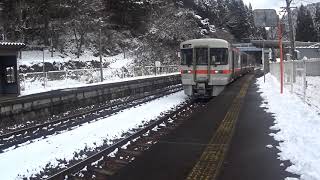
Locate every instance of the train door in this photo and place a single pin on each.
(241, 63)
(233, 59)
(201, 62)
(2, 80)
(201, 70)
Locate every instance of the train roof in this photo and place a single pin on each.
(209, 42)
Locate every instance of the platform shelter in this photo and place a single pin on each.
(9, 81)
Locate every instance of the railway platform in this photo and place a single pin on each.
(225, 140)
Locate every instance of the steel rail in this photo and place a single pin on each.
(64, 120)
(88, 161)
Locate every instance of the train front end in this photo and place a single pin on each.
(205, 67)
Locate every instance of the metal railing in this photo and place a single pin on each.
(30, 82)
(153, 70)
(296, 74)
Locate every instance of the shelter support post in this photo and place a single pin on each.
(281, 57)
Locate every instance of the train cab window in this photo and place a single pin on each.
(186, 57)
(219, 56)
(10, 75)
(202, 56)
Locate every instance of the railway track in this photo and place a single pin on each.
(14, 138)
(110, 160)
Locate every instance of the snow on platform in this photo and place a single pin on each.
(298, 126)
(31, 158)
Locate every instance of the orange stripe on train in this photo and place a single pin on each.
(206, 71)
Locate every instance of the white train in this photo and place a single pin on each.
(208, 65)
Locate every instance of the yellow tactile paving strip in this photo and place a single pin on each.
(210, 162)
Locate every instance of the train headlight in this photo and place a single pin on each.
(189, 72)
(216, 72)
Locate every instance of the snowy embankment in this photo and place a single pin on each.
(298, 128)
(30, 58)
(37, 87)
(118, 69)
(34, 83)
(30, 158)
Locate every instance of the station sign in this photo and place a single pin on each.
(265, 18)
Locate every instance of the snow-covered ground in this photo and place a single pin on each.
(312, 91)
(119, 68)
(34, 82)
(30, 58)
(32, 87)
(32, 157)
(297, 125)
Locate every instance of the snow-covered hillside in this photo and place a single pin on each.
(29, 58)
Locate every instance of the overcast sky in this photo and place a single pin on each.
(275, 4)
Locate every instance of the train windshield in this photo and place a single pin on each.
(186, 57)
(219, 56)
(202, 56)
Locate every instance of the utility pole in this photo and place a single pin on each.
(292, 39)
(51, 40)
(100, 55)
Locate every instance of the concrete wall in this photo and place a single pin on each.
(309, 52)
(313, 67)
(42, 105)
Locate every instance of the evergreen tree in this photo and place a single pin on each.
(222, 13)
(305, 30)
(317, 21)
(253, 31)
(10, 21)
(239, 23)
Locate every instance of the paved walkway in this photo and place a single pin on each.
(199, 149)
(248, 157)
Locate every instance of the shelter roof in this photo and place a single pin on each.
(275, 43)
(11, 45)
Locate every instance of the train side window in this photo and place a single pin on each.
(202, 56)
(186, 57)
(220, 54)
(10, 75)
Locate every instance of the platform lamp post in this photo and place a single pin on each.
(100, 50)
(43, 69)
(263, 61)
(281, 56)
(100, 56)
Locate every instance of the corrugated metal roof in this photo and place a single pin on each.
(11, 44)
(313, 47)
